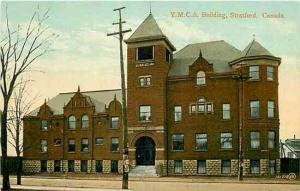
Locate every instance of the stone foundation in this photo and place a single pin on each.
(189, 167)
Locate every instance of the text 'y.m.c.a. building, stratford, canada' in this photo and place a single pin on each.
(185, 110)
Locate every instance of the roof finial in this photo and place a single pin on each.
(253, 37)
(150, 7)
(115, 97)
(45, 102)
(78, 90)
(200, 53)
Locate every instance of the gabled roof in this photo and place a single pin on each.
(98, 98)
(148, 30)
(218, 53)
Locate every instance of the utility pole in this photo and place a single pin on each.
(241, 78)
(124, 105)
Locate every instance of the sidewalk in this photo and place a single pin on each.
(53, 188)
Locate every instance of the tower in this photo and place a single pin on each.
(149, 56)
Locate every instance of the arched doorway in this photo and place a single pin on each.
(145, 151)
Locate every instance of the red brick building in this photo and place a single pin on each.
(185, 109)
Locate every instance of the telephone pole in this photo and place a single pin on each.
(124, 105)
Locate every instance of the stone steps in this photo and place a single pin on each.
(148, 171)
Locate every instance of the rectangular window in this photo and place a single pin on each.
(177, 113)
(114, 166)
(254, 166)
(271, 109)
(99, 141)
(254, 140)
(201, 142)
(178, 166)
(71, 145)
(201, 107)
(83, 165)
(57, 142)
(272, 167)
(44, 125)
(193, 108)
(225, 167)
(254, 109)
(145, 113)
(178, 142)
(84, 145)
(254, 72)
(209, 108)
(57, 166)
(70, 165)
(226, 111)
(271, 139)
(145, 53)
(226, 140)
(168, 56)
(44, 146)
(270, 73)
(43, 165)
(114, 122)
(114, 144)
(201, 166)
(145, 81)
(99, 166)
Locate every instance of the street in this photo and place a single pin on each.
(150, 184)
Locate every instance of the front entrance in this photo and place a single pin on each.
(145, 151)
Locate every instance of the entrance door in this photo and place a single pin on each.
(145, 151)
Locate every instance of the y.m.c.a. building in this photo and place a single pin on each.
(189, 111)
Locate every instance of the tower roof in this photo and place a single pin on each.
(149, 30)
(254, 48)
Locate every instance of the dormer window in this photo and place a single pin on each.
(44, 125)
(145, 53)
(201, 78)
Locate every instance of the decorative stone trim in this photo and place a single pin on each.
(31, 166)
(213, 167)
(50, 166)
(106, 166)
(189, 167)
(77, 166)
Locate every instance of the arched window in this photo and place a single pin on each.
(72, 122)
(200, 78)
(201, 99)
(84, 122)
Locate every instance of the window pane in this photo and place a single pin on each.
(99, 141)
(84, 122)
(84, 145)
(272, 167)
(254, 72)
(44, 146)
(44, 125)
(145, 113)
(114, 166)
(43, 165)
(270, 73)
(177, 113)
(145, 53)
(71, 145)
(177, 166)
(57, 166)
(254, 166)
(178, 142)
(114, 122)
(271, 139)
(99, 166)
(200, 78)
(254, 109)
(226, 167)
(70, 165)
(201, 142)
(114, 144)
(254, 140)
(72, 122)
(226, 111)
(57, 142)
(201, 167)
(271, 109)
(83, 165)
(226, 140)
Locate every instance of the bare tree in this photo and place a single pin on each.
(20, 106)
(17, 54)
